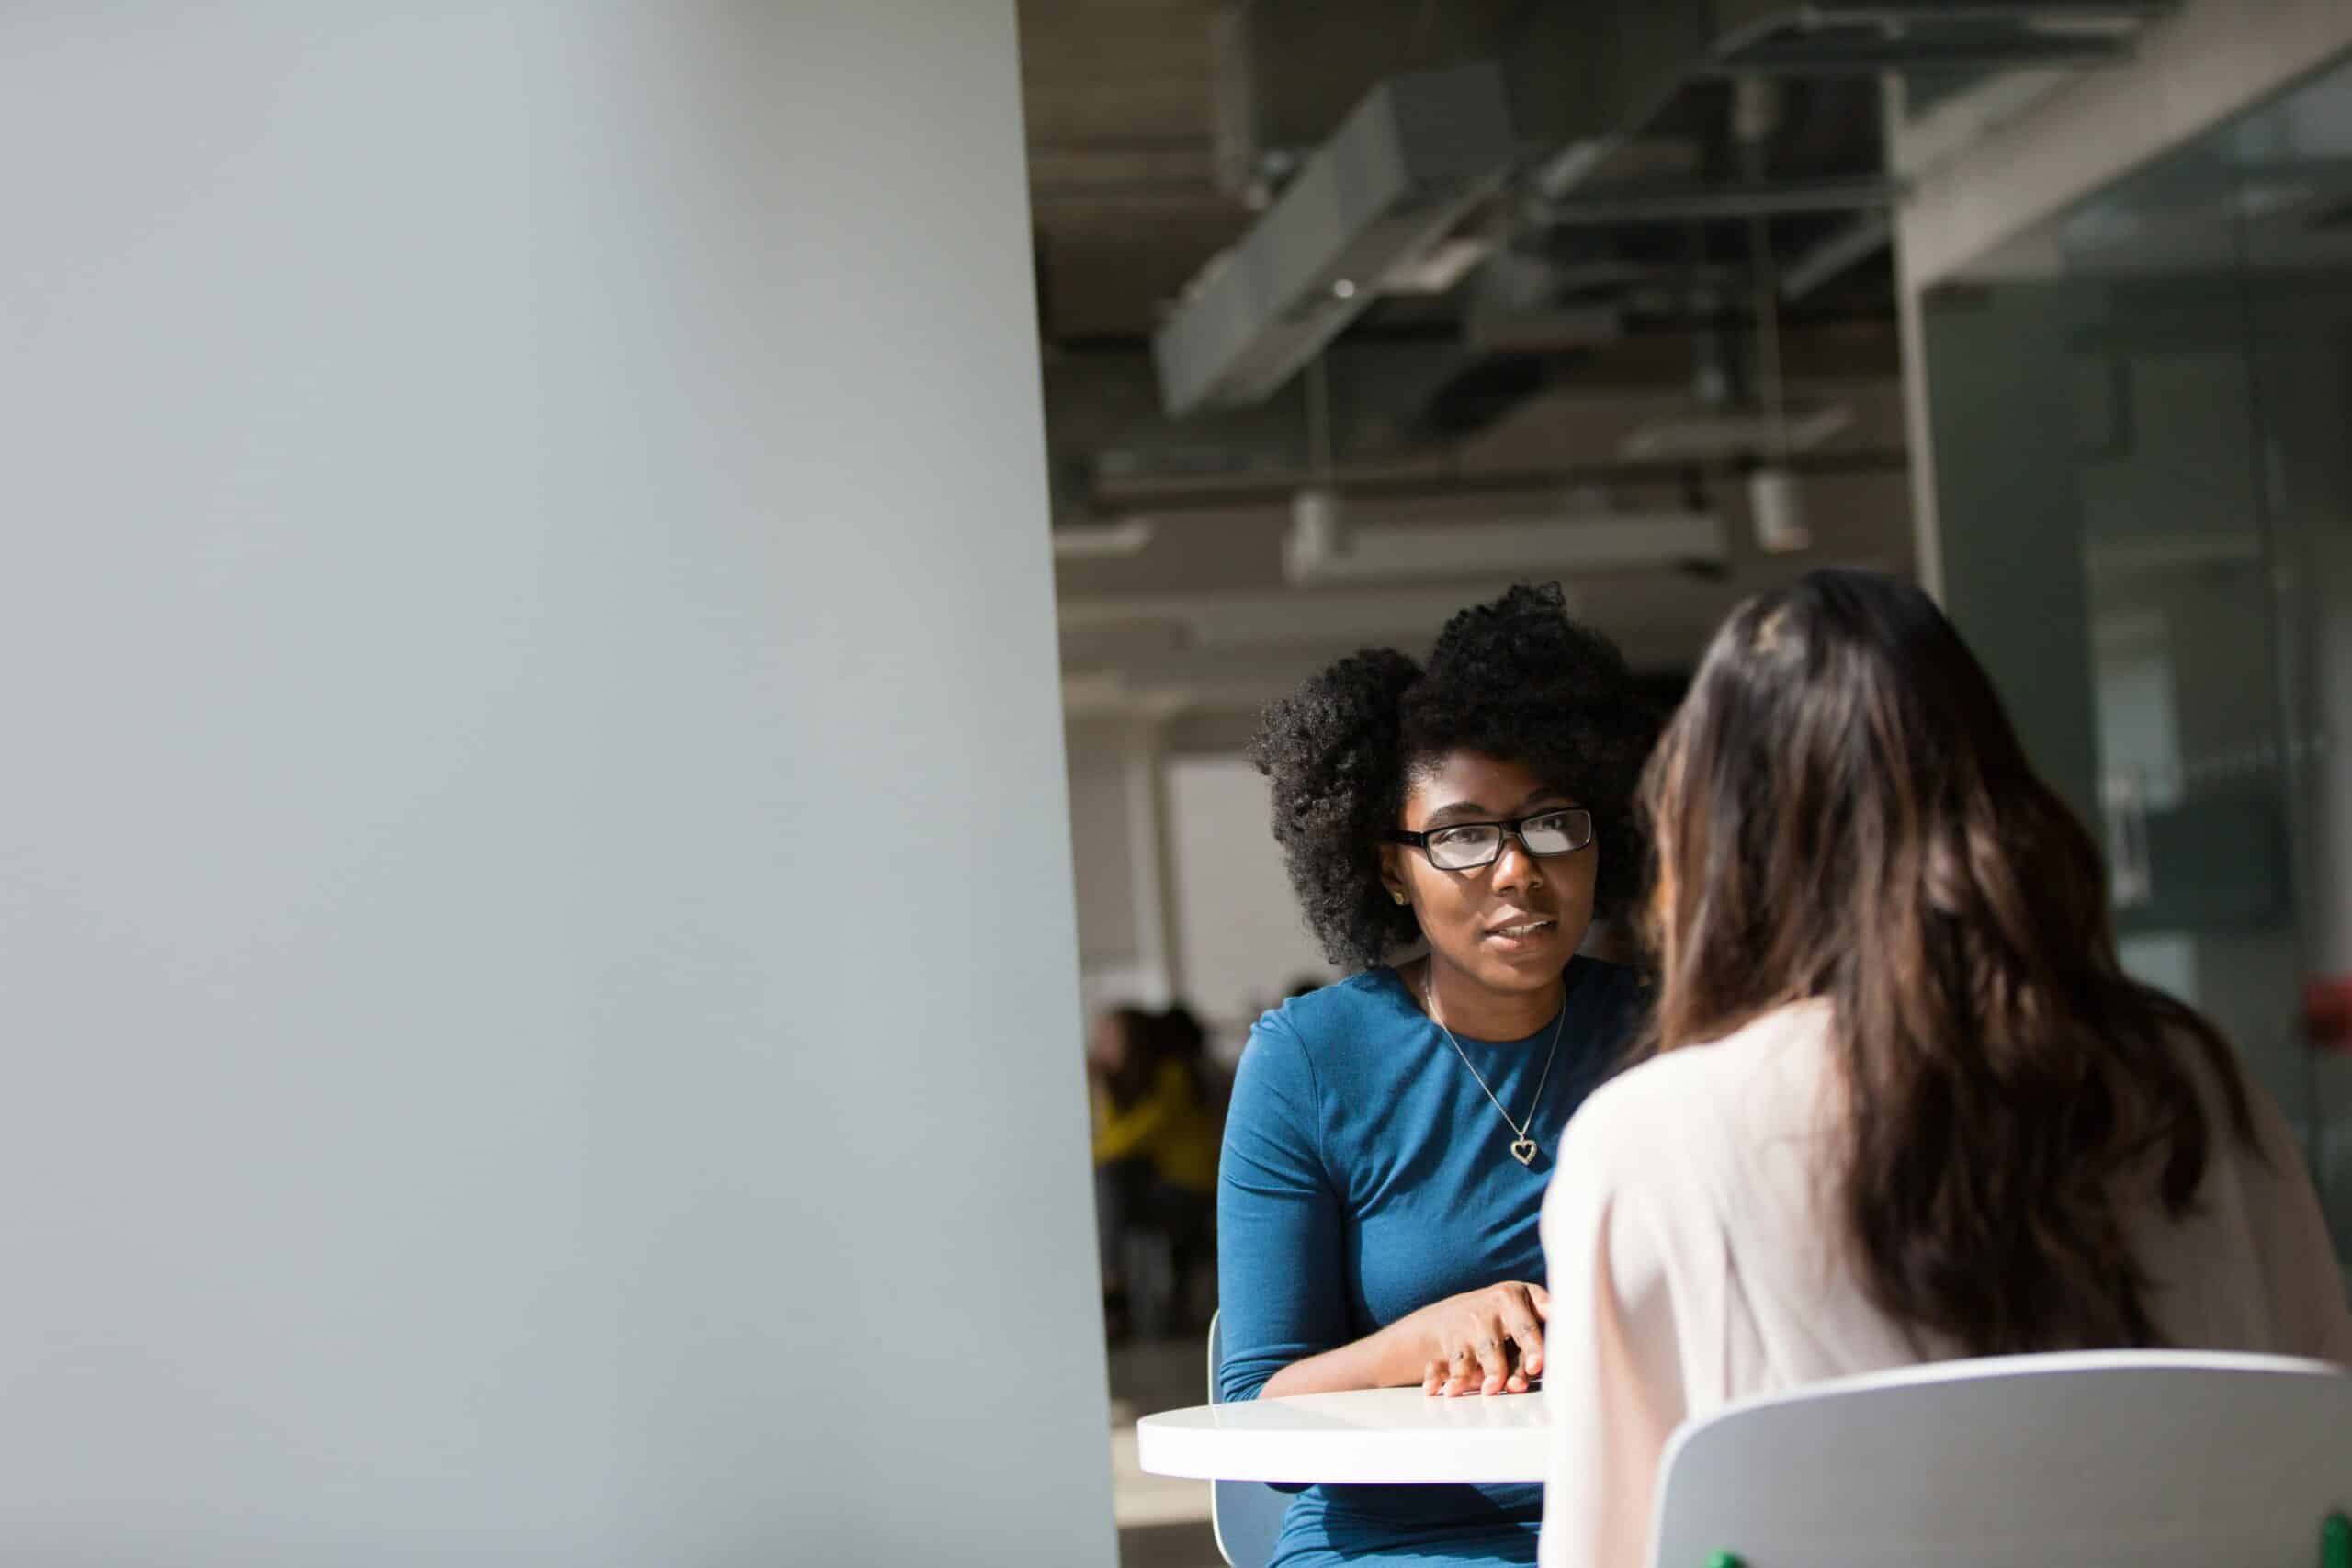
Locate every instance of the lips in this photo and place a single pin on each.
(1521, 931)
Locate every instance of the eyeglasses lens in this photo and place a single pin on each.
(1460, 848)
(1476, 844)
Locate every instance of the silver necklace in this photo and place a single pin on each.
(1522, 1147)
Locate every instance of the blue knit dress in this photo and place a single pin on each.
(1365, 1175)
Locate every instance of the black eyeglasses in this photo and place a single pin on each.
(1466, 846)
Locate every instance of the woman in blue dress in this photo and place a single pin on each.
(1452, 832)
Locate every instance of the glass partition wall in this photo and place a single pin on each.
(2142, 423)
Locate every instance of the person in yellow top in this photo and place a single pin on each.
(1156, 1138)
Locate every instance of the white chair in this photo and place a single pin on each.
(1245, 1517)
(2107, 1459)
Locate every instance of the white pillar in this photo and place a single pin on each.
(536, 943)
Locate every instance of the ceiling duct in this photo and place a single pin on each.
(1285, 72)
(1583, 101)
(1413, 159)
(1321, 548)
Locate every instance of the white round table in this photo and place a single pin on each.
(1371, 1435)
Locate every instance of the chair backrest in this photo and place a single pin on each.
(1246, 1514)
(2107, 1459)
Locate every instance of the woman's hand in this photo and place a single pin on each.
(1488, 1341)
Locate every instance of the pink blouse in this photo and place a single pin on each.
(1690, 1265)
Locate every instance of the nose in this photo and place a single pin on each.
(1514, 867)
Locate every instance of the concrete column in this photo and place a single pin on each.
(535, 940)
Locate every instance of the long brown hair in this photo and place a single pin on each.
(1842, 811)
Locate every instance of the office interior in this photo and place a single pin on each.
(626, 620)
(1935, 296)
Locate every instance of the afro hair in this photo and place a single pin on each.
(1514, 679)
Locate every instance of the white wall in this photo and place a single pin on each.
(1102, 838)
(535, 941)
(1237, 921)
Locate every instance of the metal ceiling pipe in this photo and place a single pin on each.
(1830, 57)
(1648, 50)
(1908, 13)
(1693, 203)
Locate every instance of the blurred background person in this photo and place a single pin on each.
(1156, 1100)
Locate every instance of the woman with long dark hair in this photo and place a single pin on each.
(1902, 1103)
(1452, 832)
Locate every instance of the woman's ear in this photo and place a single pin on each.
(1391, 876)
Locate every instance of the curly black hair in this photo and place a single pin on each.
(1515, 680)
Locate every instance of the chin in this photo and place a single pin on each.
(1530, 969)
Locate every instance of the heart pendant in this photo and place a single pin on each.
(1523, 1151)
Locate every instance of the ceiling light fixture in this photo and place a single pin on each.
(1103, 541)
(1321, 548)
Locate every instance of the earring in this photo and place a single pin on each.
(1398, 896)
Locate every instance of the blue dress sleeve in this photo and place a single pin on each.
(1279, 1263)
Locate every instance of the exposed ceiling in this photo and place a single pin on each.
(1677, 276)
(1122, 184)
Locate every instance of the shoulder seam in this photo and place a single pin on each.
(1315, 1088)
(1315, 1082)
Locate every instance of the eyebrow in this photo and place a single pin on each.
(1475, 812)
